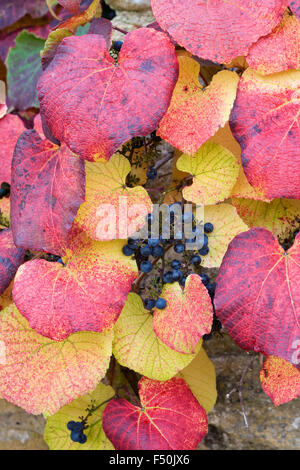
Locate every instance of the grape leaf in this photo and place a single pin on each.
(200, 375)
(227, 224)
(187, 316)
(257, 295)
(261, 56)
(86, 294)
(11, 127)
(194, 114)
(265, 121)
(280, 216)
(71, 5)
(66, 369)
(295, 7)
(56, 434)
(10, 259)
(23, 71)
(280, 380)
(215, 171)
(49, 180)
(170, 418)
(136, 345)
(236, 25)
(85, 95)
(106, 190)
(11, 11)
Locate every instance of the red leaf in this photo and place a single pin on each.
(49, 181)
(258, 294)
(295, 7)
(10, 12)
(218, 30)
(70, 5)
(85, 97)
(170, 418)
(11, 127)
(280, 380)
(10, 259)
(265, 122)
(86, 294)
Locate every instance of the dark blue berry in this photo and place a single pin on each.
(117, 45)
(168, 277)
(204, 250)
(153, 242)
(133, 244)
(145, 250)
(158, 251)
(177, 274)
(127, 251)
(208, 227)
(205, 279)
(160, 303)
(151, 173)
(75, 436)
(146, 267)
(179, 248)
(196, 260)
(176, 264)
(70, 425)
(82, 438)
(149, 304)
(188, 217)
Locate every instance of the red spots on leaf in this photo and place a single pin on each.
(257, 296)
(170, 418)
(85, 96)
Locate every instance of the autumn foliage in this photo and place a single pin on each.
(93, 330)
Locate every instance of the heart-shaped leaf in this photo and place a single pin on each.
(136, 345)
(66, 369)
(215, 171)
(200, 375)
(265, 121)
(84, 94)
(86, 294)
(11, 127)
(10, 258)
(218, 30)
(261, 56)
(194, 114)
(170, 418)
(23, 70)
(57, 435)
(280, 380)
(13, 11)
(257, 296)
(48, 180)
(280, 216)
(110, 207)
(187, 317)
(295, 7)
(227, 224)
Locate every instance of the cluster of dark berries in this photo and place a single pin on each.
(76, 428)
(4, 190)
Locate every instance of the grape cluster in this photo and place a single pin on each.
(76, 428)
(148, 251)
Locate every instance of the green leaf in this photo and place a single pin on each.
(23, 71)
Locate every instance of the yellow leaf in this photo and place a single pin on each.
(227, 224)
(106, 191)
(136, 345)
(194, 114)
(57, 435)
(200, 375)
(215, 171)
